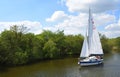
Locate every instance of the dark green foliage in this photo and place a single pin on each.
(110, 45)
(50, 50)
(73, 44)
(117, 41)
(18, 47)
(105, 44)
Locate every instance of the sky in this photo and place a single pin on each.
(68, 15)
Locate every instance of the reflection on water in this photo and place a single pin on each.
(66, 68)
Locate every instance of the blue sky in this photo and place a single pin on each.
(68, 15)
(35, 10)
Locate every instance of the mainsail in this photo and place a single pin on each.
(91, 44)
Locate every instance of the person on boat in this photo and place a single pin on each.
(98, 57)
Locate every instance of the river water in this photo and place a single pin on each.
(67, 67)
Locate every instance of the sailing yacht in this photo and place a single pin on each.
(92, 52)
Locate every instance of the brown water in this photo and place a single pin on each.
(67, 67)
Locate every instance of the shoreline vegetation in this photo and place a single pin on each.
(18, 47)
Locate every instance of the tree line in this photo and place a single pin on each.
(18, 47)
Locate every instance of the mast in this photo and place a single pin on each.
(89, 28)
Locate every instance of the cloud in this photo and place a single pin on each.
(71, 24)
(113, 27)
(96, 5)
(113, 30)
(33, 26)
(57, 16)
(112, 34)
(103, 19)
(77, 24)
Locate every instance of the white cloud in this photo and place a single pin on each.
(96, 5)
(33, 26)
(113, 30)
(57, 16)
(114, 26)
(103, 19)
(112, 34)
(77, 24)
(72, 24)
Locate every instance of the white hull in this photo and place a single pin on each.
(90, 63)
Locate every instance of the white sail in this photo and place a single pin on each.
(91, 44)
(96, 47)
(94, 40)
(84, 51)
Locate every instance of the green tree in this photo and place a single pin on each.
(50, 50)
(59, 39)
(118, 43)
(73, 44)
(3, 53)
(11, 41)
(105, 44)
(19, 47)
(37, 49)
